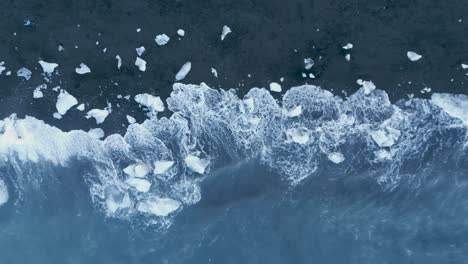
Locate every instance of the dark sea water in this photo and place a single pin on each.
(326, 171)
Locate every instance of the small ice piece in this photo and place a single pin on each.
(158, 206)
(137, 170)
(383, 154)
(249, 104)
(8, 73)
(455, 105)
(81, 107)
(4, 197)
(98, 114)
(275, 87)
(60, 48)
(152, 102)
(196, 164)
(65, 101)
(181, 32)
(48, 67)
(225, 32)
(385, 138)
(464, 66)
(25, 73)
(184, 70)
(297, 111)
(413, 56)
(57, 115)
(311, 75)
(348, 57)
(131, 119)
(141, 185)
(298, 135)
(141, 64)
(336, 157)
(162, 166)
(119, 61)
(214, 72)
(368, 86)
(426, 90)
(2, 68)
(348, 46)
(83, 69)
(96, 133)
(304, 75)
(140, 50)
(308, 63)
(138, 29)
(162, 39)
(37, 94)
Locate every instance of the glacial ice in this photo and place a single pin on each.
(140, 50)
(137, 170)
(298, 135)
(24, 72)
(336, 157)
(141, 185)
(413, 56)
(275, 87)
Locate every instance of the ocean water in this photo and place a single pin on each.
(306, 178)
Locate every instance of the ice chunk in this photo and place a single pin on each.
(275, 87)
(37, 94)
(298, 135)
(385, 137)
(308, 63)
(81, 107)
(116, 200)
(140, 50)
(162, 39)
(141, 64)
(48, 67)
(131, 120)
(455, 105)
(65, 101)
(83, 69)
(60, 48)
(297, 111)
(348, 46)
(96, 133)
(119, 61)
(57, 115)
(98, 114)
(137, 170)
(162, 166)
(383, 154)
(138, 30)
(348, 57)
(184, 70)
(368, 86)
(214, 72)
(24, 72)
(181, 32)
(196, 164)
(2, 68)
(464, 66)
(413, 56)
(152, 102)
(225, 32)
(249, 104)
(336, 157)
(142, 185)
(4, 197)
(158, 206)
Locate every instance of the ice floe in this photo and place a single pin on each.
(131, 119)
(348, 46)
(385, 137)
(141, 185)
(161, 166)
(296, 111)
(137, 170)
(225, 32)
(308, 63)
(214, 72)
(275, 87)
(298, 135)
(413, 56)
(158, 206)
(98, 114)
(24, 72)
(162, 39)
(153, 103)
(181, 32)
(196, 164)
(82, 69)
(184, 70)
(65, 101)
(141, 64)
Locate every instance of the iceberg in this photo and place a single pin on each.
(65, 101)
(158, 206)
(98, 114)
(196, 164)
(154, 103)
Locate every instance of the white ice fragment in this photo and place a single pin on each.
(141, 64)
(81, 107)
(138, 29)
(140, 50)
(311, 75)
(383, 154)
(348, 46)
(181, 32)
(368, 86)
(413, 56)
(249, 104)
(385, 137)
(4, 197)
(214, 72)
(98, 114)
(225, 32)
(65, 101)
(154, 103)
(131, 119)
(162, 39)
(196, 164)
(308, 63)
(162, 166)
(336, 157)
(2, 68)
(83, 69)
(37, 94)
(464, 66)
(142, 185)
(158, 206)
(455, 105)
(8, 73)
(297, 111)
(48, 67)
(137, 170)
(119, 61)
(57, 115)
(24, 72)
(348, 57)
(116, 200)
(426, 90)
(184, 70)
(60, 48)
(96, 133)
(275, 87)
(298, 135)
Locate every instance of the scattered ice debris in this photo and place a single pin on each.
(65, 101)
(57, 115)
(138, 29)
(184, 70)
(214, 72)
(464, 66)
(141, 64)
(119, 61)
(158, 206)
(308, 63)
(137, 170)
(348, 46)
(225, 32)
(181, 32)
(154, 103)
(368, 86)
(140, 50)
(4, 197)
(298, 135)
(162, 166)
(83, 69)
(98, 114)
(297, 111)
(96, 133)
(348, 57)
(385, 137)
(275, 87)
(60, 48)
(426, 90)
(24, 72)
(455, 105)
(336, 157)
(162, 39)
(81, 107)
(131, 119)
(141, 185)
(48, 67)
(196, 164)
(413, 56)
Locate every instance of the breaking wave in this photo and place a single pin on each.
(156, 169)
